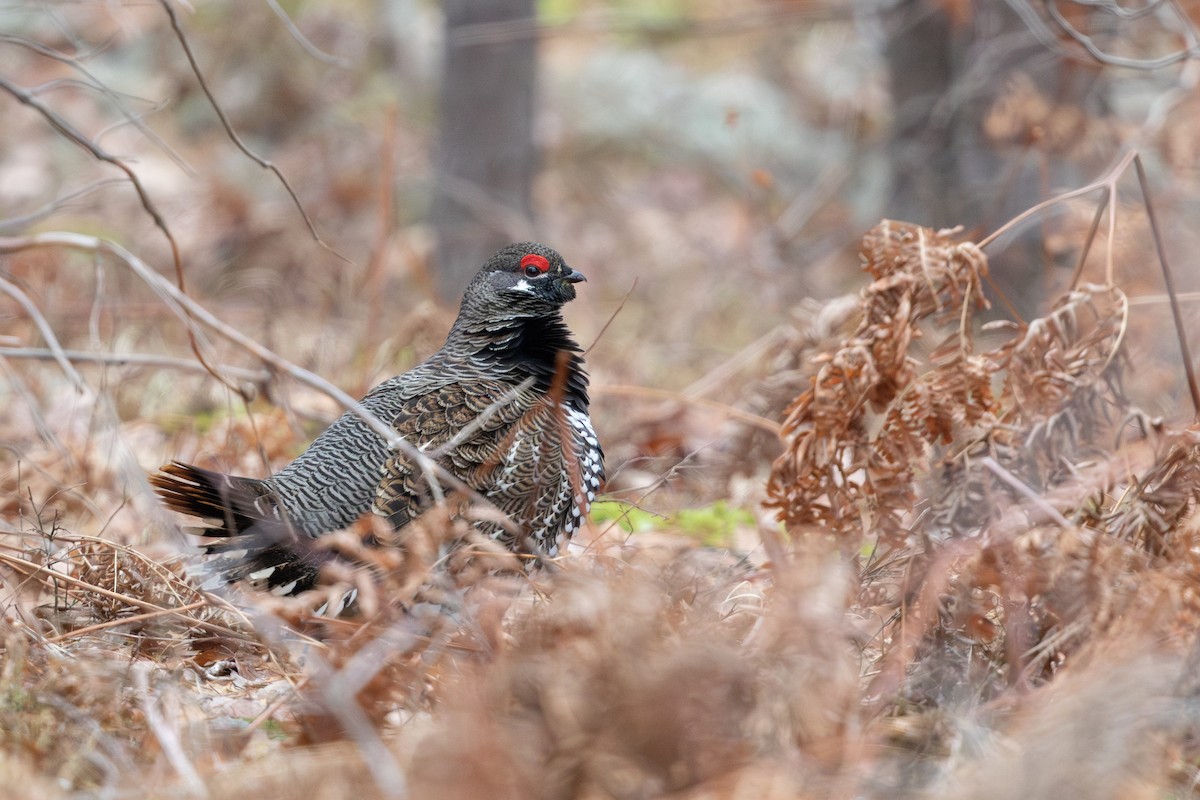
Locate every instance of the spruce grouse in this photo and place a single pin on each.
(503, 407)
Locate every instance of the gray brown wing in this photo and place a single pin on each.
(537, 461)
(469, 421)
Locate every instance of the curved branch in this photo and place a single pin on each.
(95, 84)
(232, 134)
(14, 291)
(302, 40)
(1095, 51)
(14, 224)
(1108, 181)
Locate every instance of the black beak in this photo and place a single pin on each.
(574, 276)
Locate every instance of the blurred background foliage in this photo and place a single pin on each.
(710, 165)
(715, 161)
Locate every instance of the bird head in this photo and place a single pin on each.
(524, 279)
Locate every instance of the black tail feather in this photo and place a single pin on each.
(232, 505)
(284, 569)
(254, 543)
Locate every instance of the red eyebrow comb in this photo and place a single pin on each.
(540, 262)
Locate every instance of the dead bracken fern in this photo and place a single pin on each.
(1060, 401)
(1013, 511)
(837, 475)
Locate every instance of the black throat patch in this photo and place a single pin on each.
(542, 348)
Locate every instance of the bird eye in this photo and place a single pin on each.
(533, 265)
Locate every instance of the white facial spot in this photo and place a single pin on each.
(522, 286)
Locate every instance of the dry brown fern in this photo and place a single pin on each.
(1022, 512)
(837, 475)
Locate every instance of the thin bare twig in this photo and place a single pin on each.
(1108, 181)
(1088, 51)
(373, 276)
(168, 737)
(337, 692)
(302, 40)
(14, 224)
(14, 291)
(133, 360)
(662, 394)
(47, 575)
(612, 317)
(16, 386)
(1098, 53)
(115, 623)
(232, 134)
(649, 489)
(727, 372)
(1105, 199)
(482, 419)
(1023, 489)
(67, 130)
(1153, 299)
(75, 62)
(1181, 331)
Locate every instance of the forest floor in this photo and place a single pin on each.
(986, 584)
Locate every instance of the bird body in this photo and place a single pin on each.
(502, 407)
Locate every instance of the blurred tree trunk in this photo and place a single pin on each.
(485, 157)
(948, 64)
(945, 74)
(920, 71)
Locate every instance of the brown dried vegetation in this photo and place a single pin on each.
(984, 585)
(979, 543)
